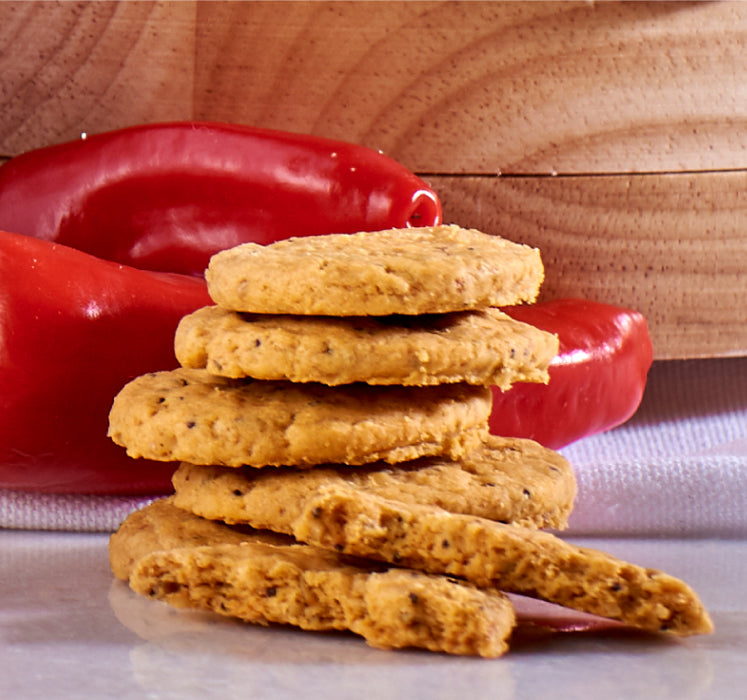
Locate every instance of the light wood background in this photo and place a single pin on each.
(613, 136)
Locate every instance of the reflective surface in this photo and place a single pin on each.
(68, 630)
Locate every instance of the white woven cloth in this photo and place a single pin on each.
(677, 468)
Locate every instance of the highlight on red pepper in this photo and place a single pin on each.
(168, 196)
(596, 380)
(73, 330)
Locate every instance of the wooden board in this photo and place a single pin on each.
(638, 111)
(488, 87)
(672, 246)
(69, 68)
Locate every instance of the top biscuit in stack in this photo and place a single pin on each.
(429, 270)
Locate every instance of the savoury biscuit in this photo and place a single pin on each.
(312, 590)
(161, 525)
(190, 415)
(306, 586)
(435, 269)
(509, 557)
(509, 480)
(478, 347)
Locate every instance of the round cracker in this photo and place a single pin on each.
(189, 415)
(435, 269)
(477, 347)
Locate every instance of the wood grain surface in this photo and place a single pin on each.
(487, 87)
(672, 246)
(612, 135)
(73, 67)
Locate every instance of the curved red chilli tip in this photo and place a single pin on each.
(426, 209)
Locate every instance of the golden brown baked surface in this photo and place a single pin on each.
(190, 415)
(160, 525)
(435, 269)
(478, 347)
(509, 557)
(306, 586)
(509, 480)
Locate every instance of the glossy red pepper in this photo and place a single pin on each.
(73, 330)
(167, 196)
(596, 381)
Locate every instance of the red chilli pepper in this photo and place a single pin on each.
(168, 196)
(73, 330)
(596, 381)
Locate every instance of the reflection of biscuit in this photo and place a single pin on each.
(478, 347)
(506, 480)
(399, 271)
(515, 559)
(309, 587)
(192, 416)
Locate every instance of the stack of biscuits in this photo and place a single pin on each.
(330, 421)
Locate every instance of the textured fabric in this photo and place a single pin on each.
(33, 511)
(678, 467)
